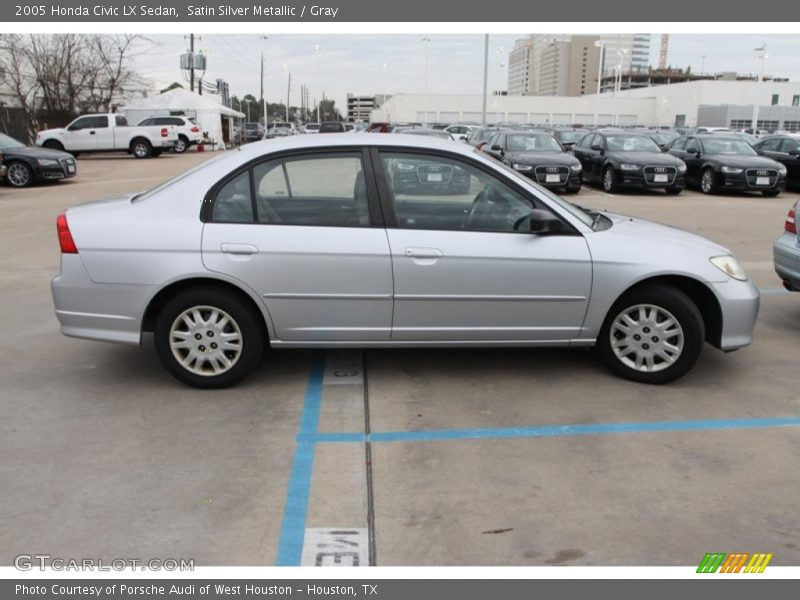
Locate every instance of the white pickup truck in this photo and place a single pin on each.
(109, 133)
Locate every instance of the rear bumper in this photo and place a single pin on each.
(786, 253)
(106, 312)
(739, 301)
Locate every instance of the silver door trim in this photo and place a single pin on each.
(489, 298)
(296, 296)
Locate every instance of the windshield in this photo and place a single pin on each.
(728, 146)
(570, 137)
(631, 143)
(7, 142)
(483, 135)
(520, 142)
(663, 138)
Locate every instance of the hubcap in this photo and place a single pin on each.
(18, 174)
(180, 146)
(608, 180)
(205, 340)
(646, 338)
(140, 150)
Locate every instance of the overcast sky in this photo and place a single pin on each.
(338, 64)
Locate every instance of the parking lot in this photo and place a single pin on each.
(415, 457)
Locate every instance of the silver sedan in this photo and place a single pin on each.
(392, 241)
(786, 252)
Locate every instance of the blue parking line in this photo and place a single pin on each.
(293, 527)
(436, 435)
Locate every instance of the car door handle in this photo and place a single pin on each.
(91, 133)
(423, 252)
(238, 249)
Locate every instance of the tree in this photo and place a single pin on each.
(54, 78)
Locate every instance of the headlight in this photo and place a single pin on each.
(405, 167)
(626, 167)
(576, 168)
(520, 167)
(681, 168)
(782, 169)
(732, 170)
(730, 266)
(47, 162)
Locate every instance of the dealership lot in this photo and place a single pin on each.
(424, 457)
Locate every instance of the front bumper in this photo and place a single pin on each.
(573, 180)
(638, 179)
(739, 302)
(740, 182)
(786, 252)
(66, 168)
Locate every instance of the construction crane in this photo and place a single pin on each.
(662, 55)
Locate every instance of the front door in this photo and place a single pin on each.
(466, 266)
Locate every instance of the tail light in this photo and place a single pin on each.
(64, 236)
(791, 219)
(164, 132)
(195, 130)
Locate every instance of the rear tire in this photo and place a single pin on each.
(181, 146)
(141, 149)
(653, 334)
(208, 338)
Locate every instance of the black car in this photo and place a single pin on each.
(567, 136)
(616, 158)
(480, 135)
(724, 162)
(331, 127)
(27, 164)
(663, 137)
(538, 156)
(786, 150)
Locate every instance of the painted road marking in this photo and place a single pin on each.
(341, 547)
(343, 367)
(434, 435)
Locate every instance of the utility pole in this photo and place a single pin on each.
(191, 59)
(288, 92)
(485, 76)
(263, 100)
(317, 105)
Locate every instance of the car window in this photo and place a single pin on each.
(771, 145)
(520, 142)
(730, 146)
(312, 190)
(790, 145)
(147, 122)
(437, 192)
(120, 121)
(82, 123)
(100, 122)
(233, 203)
(692, 145)
(678, 144)
(631, 143)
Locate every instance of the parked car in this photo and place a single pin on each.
(567, 136)
(784, 149)
(2, 168)
(699, 130)
(437, 133)
(459, 132)
(538, 156)
(662, 137)
(480, 135)
(280, 129)
(786, 252)
(109, 133)
(724, 162)
(24, 165)
(251, 132)
(311, 128)
(377, 127)
(290, 243)
(189, 132)
(616, 158)
(332, 127)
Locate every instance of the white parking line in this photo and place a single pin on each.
(340, 547)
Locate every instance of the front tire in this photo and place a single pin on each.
(19, 174)
(708, 181)
(652, 335)
(207, 338)
(609, 180)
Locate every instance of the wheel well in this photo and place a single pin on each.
(139, 139)
(160, 299)
(52, 144)
(183, 136)
(698, 292)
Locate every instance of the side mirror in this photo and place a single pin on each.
(497, 148)
(544, 222)
(462, 138)
(760, 152)
(664, 148)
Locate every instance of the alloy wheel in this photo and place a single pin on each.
(18, 174)
(205, 340)
(646, 338)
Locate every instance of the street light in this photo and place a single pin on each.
(425, 41)
(317, 49)
(762, 56)
(600, 61)
(618, 84)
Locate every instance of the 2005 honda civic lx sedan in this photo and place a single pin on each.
(309, 242)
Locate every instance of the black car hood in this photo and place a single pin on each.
(743, 162)
(542, 158)
(647, 158)
(35, 152)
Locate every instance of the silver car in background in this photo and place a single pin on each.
(786, 252)
(310, 241)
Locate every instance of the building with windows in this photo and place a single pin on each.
(359, 108)
(569, 68)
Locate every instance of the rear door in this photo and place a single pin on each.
(466, 266)
(305, 232)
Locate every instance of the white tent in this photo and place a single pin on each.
(205, 109)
